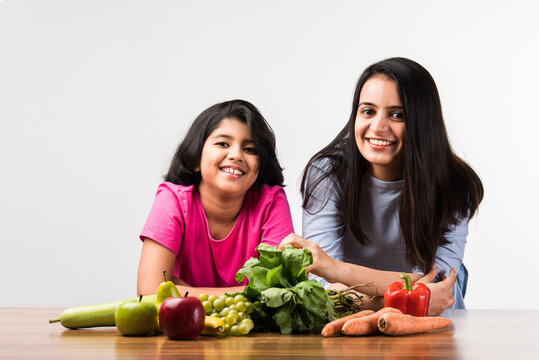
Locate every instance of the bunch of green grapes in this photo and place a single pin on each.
(234, 310)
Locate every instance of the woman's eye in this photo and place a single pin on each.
(397, 116)
(250, 150)
(221, 143)
(367, 112)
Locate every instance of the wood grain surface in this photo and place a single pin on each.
(475, 334)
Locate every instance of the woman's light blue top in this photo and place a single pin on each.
(323, 223)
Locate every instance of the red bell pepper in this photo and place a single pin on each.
(412, 299)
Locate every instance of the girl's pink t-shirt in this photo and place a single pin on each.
(178, 222)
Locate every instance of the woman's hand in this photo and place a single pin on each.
(322, 262)
(441, 292)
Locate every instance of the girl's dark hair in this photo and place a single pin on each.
(439, 187)
(187, 156)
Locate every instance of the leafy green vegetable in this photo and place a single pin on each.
(282, 295)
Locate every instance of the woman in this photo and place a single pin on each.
(388, 193)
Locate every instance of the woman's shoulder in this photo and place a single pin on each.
(325, 163)
(323, 172)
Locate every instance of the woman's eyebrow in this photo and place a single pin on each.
(366, 103)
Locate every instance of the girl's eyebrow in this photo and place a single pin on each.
(216, 136)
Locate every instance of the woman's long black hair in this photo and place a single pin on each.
(439, 187)
(187, 157)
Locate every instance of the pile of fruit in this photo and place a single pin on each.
(178, 317)
(232, 311)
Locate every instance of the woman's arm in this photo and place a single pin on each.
(450, 255)
(335, 271)
(322, 221)
(155, 259)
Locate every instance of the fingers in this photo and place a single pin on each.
(295, 240)
(451, 279)
(429, 277)
(290, 239)
(451, 302)
(442, 276)
(453, 274)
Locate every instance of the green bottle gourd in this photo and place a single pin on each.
(93, 315)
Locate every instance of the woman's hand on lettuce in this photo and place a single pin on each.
(323, 265)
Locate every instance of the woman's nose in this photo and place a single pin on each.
(379, 123)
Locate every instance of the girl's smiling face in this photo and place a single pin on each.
(229, 160)
(379, 128)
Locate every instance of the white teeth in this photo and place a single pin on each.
(380, 142)
(233, 171)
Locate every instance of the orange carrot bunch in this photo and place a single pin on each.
(388, 321)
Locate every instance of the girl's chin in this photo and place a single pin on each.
(233, 190)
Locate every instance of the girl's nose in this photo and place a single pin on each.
(235, 153)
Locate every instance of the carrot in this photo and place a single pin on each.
(401, 324)
(367, 324)
(335, 326)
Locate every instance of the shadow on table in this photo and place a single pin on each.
(418, 346)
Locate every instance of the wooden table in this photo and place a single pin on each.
(475, 334)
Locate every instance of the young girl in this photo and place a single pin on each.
(388, 192)
(222, 196)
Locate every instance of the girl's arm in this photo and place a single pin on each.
(195, 291)
(154, 259)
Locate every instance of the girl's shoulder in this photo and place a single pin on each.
(184, 195)
(265, 196)
(175, 188)
(266, 192)
(265, 202)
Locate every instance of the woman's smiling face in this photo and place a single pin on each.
(229, 160)
(379, 128)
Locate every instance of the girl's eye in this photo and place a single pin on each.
(250, 150)
(221, 143)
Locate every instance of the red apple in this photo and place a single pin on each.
(181, 317)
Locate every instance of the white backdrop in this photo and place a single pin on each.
(96, 95)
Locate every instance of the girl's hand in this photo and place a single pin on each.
(441, 292)
(322, 262)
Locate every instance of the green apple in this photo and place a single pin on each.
(136, 318)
